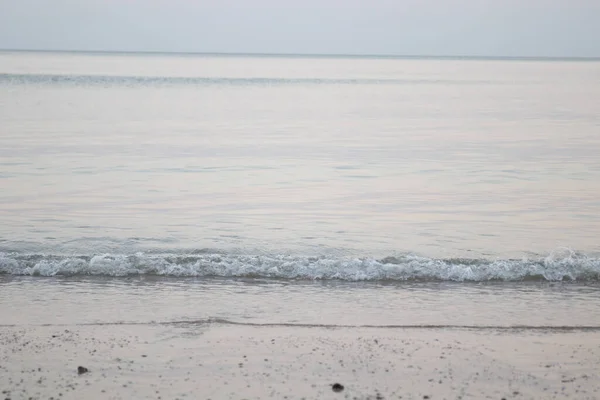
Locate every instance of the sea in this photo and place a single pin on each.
(294, 189)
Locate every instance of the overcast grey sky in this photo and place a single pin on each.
(401, 27)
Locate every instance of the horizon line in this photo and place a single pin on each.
(308, 55)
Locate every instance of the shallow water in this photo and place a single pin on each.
(148, 300)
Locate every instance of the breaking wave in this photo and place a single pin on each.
(558, 266)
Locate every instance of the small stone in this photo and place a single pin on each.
(82, 370)
(337, 387)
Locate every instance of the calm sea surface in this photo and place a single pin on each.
(437, 157)
(301, 168)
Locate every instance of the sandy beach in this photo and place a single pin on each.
(221, 361)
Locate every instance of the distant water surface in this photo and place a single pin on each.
(382, 168)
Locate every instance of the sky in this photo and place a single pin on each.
(534, 28)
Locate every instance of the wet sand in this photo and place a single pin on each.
(220, 361)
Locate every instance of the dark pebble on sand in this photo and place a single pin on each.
(337, 387)
(81, 370)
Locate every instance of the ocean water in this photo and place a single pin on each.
(285, 189)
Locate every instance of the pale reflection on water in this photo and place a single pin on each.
(151, 299)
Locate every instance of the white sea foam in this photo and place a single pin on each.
(564, 265)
